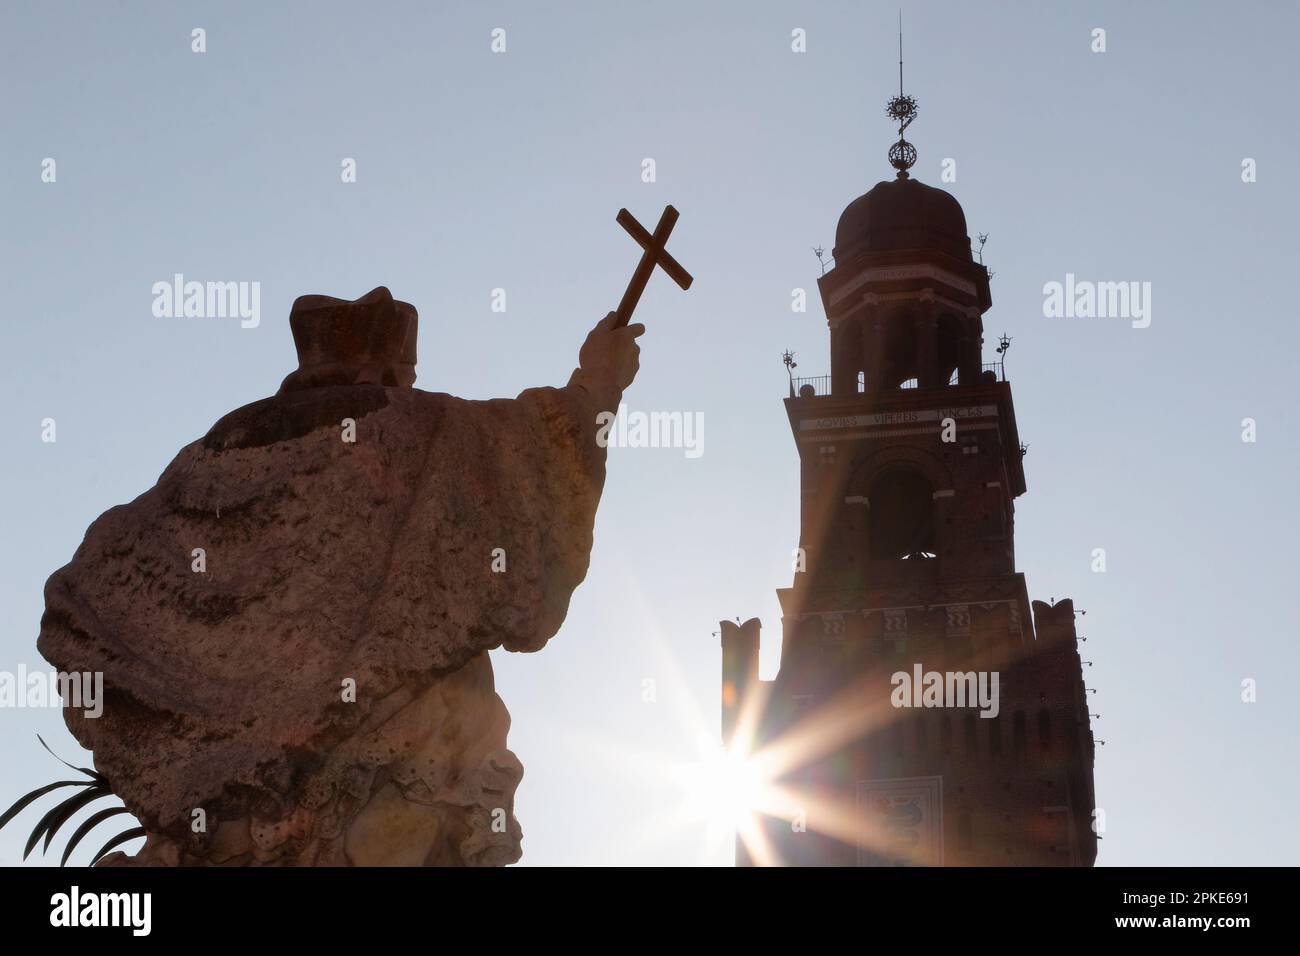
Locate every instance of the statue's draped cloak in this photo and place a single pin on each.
(447, 528)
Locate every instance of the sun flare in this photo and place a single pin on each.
(723, 788)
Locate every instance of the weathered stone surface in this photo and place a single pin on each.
(329, 561)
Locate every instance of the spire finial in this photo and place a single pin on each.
(901, 109)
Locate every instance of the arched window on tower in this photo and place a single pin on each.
(952, 341)
(902, 516)
(1044, 729)
(898, 351)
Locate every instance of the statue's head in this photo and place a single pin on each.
(365, 341)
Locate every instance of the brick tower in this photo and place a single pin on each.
(910, 465)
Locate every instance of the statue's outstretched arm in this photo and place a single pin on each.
(608, 361)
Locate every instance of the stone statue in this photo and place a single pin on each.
(293, 625)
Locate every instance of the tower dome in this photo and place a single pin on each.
(902, 214)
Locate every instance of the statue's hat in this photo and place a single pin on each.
(365, 341)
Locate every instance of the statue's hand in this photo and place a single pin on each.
(610, 358)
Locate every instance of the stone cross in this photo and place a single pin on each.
(654, 255)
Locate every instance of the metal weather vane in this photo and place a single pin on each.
(902, 110)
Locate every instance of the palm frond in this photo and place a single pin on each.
(59, 815)
(93, 788)
(88, 771)
(92, 821)
(22, 802)
(124, 837)
(71, 806)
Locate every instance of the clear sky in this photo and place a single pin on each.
(478, 171)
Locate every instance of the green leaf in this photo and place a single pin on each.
(92, 821)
